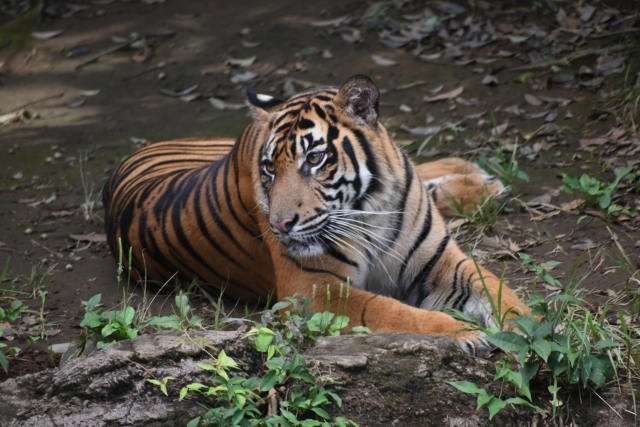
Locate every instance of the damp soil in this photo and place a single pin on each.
(41, 181)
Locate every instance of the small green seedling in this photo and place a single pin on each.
(596, 193)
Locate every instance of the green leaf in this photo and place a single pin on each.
(129, 314)
(194, 422)
(520, 401)
(466, 386)
(483, 399)
(495, 405)
(4, 363)
(262, 341)
(336, 398)
(268, 381)
(542, 348)
(565, 297)
(108, 330)
(93, 301)
(526, 324)
(280, 305)
(602, 344)
(321, 412)
(91, 322)
(290, 417)
(604, 200)
(360, 330)
(508, 341)
(168, 322)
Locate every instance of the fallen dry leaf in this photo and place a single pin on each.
(383, 61)
(219, 104)
(330, 23)
(93, 237)
(247, 44)
(490, 80)
(572, 205)
(179, 93)
(44, 35)
(446, 95)
(532, 100)
(243, 77)
(241, 62)
(422, 131)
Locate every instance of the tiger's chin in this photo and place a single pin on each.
(304, 249)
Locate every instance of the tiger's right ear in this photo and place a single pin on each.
(262, 106)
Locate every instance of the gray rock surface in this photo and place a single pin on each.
(384, 380)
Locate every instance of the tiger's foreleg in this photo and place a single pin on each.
(473, 290)
(377, 312)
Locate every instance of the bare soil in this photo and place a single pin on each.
(41, 190)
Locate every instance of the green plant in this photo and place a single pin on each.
(40, 278)
(12, 313)
(542, 270)
(483, 217)
(91, 203)
(560, 344)
(505, 168)
(12, 351)
(4, 278)
(283, 330)
(108, 326)
(597, 193)
(180, 320)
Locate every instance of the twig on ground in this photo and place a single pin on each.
(37, 101)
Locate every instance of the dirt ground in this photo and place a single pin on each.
(79, 123)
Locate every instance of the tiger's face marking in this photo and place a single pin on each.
(315, 162)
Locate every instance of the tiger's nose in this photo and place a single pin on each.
(285, 225)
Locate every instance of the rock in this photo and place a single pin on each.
(383, 379)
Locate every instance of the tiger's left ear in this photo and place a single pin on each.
(262, 105)
(358, 98)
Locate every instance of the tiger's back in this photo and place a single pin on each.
(169, 202)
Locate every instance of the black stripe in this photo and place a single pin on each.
(454, 286)
(426, 229)
(421, 278)
(313, 270)
(335, 253)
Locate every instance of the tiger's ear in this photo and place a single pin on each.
(358, 98)
(262, 106)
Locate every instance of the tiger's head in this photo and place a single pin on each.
(324, 158)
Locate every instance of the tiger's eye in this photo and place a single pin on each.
(315, 158)
(270, 167)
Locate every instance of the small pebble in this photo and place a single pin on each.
(57, 155)
(45, 261)
(28, 231)
(245, 31)
(68, 267)
(48, 160)
(43, 236)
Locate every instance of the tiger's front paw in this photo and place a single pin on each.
(474, 343)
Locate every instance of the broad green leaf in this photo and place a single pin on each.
(129, 314)
(508, 341)
(194, 422)
(526, 324)
(494, 406)
(280, 305)
(262, 342)
(93, 301)
(466, 386)
(321, 412)
(483, 399)
(336, 398)
(268, 381)
(542, 348)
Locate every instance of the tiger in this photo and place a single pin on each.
(313, 195)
